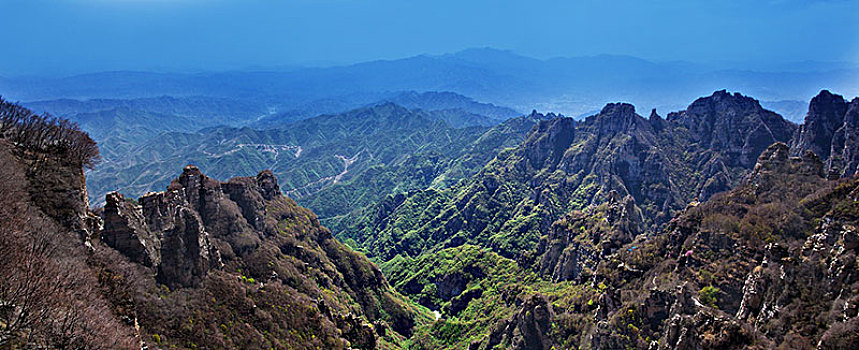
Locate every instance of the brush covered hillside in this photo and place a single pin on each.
(203, 264)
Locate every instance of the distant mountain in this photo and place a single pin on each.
(371, 152)
(132, 125)
(431, 101)
(569, 85)
(205, 111)
(457, 110)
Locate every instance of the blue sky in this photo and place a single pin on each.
(69, 36)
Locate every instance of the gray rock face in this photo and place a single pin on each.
(825, 115)
(125, 230)
(844, 153)
(831, 131)
(186, 253)
(185, 231)
(547, 141)
(58, 187)
(529, 329)
(222, 217)
(250, 193)
(753, 295)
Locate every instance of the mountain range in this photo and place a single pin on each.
(719, 226)
(572, 86)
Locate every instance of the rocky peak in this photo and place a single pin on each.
(825, 115)
(735, 125)
(615, 118)
(194, 185)
(844, 152)
(547, 141)
(656, 121)
(250, 194)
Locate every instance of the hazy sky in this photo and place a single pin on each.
(66, 36)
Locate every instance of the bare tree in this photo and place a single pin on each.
(47, 134)
(48, 294)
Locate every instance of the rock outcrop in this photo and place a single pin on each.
(844, 156)
(830, 130)
(183, 231)
(243, 243)
(734, 125)
(825, 115)
(579, 241)
(528, 329)
(58, 186)
(546, 143)
(186, 230)
(125, 230)
(220, 215)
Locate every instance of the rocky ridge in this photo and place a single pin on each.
(200, 230)
(563, 165)
(633, 238)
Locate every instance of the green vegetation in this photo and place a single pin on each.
(708, 295)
